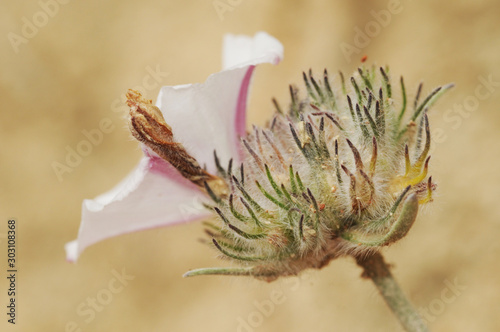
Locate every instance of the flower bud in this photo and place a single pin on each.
(342, 173)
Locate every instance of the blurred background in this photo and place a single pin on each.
(65, 66)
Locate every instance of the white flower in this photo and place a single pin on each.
(204, 117)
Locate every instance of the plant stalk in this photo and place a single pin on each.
(378, 271)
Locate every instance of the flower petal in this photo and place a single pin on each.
(152, 195)
(212, 115)
(240, 50)
(203, 116)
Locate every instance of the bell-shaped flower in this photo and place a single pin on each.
(204, 117)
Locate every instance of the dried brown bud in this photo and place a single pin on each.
(149, 127)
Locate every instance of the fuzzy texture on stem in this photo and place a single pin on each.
(376, 269)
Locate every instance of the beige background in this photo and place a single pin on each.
(64, 79)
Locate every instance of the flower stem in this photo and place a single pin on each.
(377, 270)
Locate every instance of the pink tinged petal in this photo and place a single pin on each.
(212, 115)
(204, 117)
(153, 195)
(241, 105)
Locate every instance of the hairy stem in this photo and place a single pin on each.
(377, 270)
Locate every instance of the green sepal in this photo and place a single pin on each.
(397, 231)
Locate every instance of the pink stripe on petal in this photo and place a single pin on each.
(241, 106)
(160, 166)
